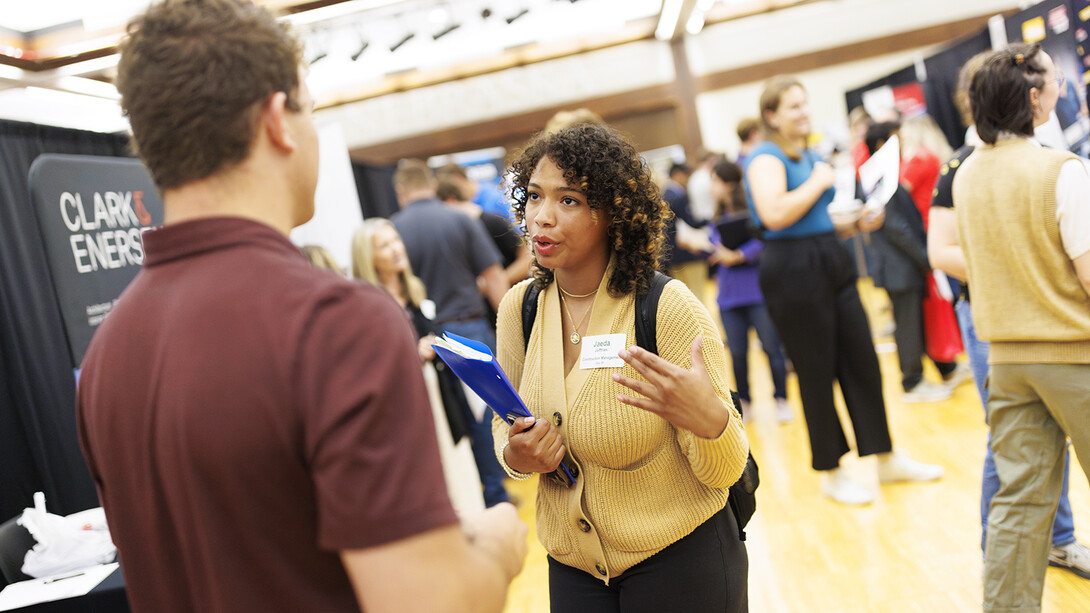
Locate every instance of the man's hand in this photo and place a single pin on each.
(500, 534)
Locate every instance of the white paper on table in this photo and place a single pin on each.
(879, 174)
(56, 587)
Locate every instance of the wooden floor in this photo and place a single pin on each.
(915, 549)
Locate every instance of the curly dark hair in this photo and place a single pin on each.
(617, 182)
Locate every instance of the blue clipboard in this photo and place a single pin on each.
(485, 377)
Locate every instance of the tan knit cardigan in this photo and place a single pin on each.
(642, 483)
(1027, 299)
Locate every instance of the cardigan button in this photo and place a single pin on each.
(557, 419)
(600, 568)
(584, 525)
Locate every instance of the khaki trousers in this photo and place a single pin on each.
(1032, 410)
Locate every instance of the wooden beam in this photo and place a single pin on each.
(903, 41)
(515, 127)
(42, 53)
(687, 116)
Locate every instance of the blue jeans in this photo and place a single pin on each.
(737, 322)
(480, 432)
(1063, 527)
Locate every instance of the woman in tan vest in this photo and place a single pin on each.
(1023, 218)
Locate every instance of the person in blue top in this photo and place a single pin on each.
(809, 284)
(741, 305)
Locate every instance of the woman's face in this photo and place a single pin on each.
(1047, 94)
(565, 233)
(390, 257)
(792, 117)
(722, 191)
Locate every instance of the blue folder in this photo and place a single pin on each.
(485, 377)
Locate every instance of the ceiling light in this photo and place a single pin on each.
(696, 18)
(363, 47)
(669, 18)
(398, 44)
(438, 15)
(515, 17)
(447, 30)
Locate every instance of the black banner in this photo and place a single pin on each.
(1051, 24)
(91, 214)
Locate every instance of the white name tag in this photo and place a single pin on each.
(601, 351)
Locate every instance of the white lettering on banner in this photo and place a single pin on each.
(98, 312)
(112, 209)
(68, 202)
(110, 248)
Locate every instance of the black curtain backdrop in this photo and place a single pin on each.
(942, 81)
(39, 448)
(903, 76)
(942, 78)
(375, 185)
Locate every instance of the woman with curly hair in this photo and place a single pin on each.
(654, 439)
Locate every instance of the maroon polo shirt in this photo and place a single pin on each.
(246, 416)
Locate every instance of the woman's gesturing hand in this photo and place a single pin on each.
(534, 446)
(685, 398)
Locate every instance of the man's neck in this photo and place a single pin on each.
(234, 193)
(416, 195)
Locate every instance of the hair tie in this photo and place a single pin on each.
(1019, 58)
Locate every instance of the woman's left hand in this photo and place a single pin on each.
(685, 398)
(872, 220)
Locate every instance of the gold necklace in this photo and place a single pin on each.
(564, 291)
(574, 338)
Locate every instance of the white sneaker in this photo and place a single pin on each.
(960, 374)
(784, 412)
(925, 391)
(1073, 556)
(842, 489)
(895, 466)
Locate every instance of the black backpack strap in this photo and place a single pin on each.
(742, 498)
(647, 306)
(647, 310)
(529, 312)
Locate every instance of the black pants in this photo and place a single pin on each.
(809, 288)
(909, 335)
(705, 572)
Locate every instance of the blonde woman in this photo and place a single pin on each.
(320, 257)
(379, 257)
(923, 147)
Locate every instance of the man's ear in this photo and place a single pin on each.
(274, 121)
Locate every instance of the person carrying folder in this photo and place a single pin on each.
(654, 439)
(741, 304)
